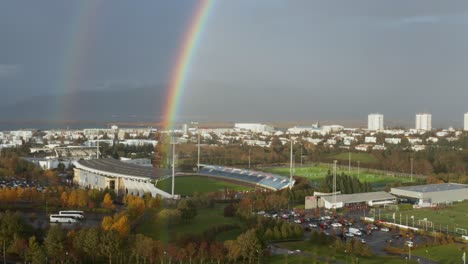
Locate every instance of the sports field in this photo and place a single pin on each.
(446, 254)
(318, 172)
(324, 253)
(454, 216)
(188, 185)
(362, 157)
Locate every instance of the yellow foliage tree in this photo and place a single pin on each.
(82, 198)
(122, 226)
(72, 199)
(107, 202)
(64, 198)
(107, 223)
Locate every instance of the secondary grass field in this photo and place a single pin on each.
(320, 171)
(205, 219)
(188, 185)
(324, 252)
(362, 157)
(446, 254)
(454, 216)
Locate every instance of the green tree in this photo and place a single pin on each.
(35, 253)
(110, 244)
(55, 243)
(249, 245)
(187, 209)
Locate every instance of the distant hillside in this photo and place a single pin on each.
(139, 104)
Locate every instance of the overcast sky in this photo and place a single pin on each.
(263, 60)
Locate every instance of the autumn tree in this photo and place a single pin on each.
(55, 243)
(188, 209)
(107, 223)
(110, 244)
(122, 225)
(107, 202)
(35, 253)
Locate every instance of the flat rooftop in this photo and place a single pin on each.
(118, 167)
(433, 187)
(359, 197)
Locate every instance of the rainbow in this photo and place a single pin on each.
(183, 61)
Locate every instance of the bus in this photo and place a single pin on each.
(55, 218)
(72, 213)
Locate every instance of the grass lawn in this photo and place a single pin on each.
(318, 172)
(188, 185)
(229, 235)
(282, 259)
(324, 251)
(453, 216)
(205, 219)
(446, 254)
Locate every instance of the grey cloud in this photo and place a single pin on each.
(9, 70)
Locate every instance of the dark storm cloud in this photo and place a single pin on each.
(269, 60)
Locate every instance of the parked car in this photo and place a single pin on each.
(384, 229)
(336, 225)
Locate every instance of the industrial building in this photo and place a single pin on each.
(330, 201)
(427, 195)
(123, 178)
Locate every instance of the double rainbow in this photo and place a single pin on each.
(180, 73)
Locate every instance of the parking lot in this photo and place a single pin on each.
(340, 226)
(15, 183)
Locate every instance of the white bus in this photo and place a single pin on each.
(72, 213)
(55, 218)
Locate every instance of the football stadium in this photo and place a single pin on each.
(258, 179)
(123, 178)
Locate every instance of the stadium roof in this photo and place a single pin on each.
(359, 197)
(113, 166)
(433, 187)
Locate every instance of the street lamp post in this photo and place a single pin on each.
(249, 158)
(358, 167)
(349, 161)
(411, 169)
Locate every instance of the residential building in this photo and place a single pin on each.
(375, 122)
(424, 122)
(466, 122)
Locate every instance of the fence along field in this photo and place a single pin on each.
(452, 218)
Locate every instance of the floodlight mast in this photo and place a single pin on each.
(334, 182)
(173, 165)
(291, 165)
(198, 157)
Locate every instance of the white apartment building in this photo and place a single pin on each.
(424, 122)
(375, 122)
(254, 127)
(466, 122)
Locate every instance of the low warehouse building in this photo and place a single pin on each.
(344, 200)
(426, 195)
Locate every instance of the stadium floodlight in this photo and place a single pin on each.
(291, 165)
(173, 142)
